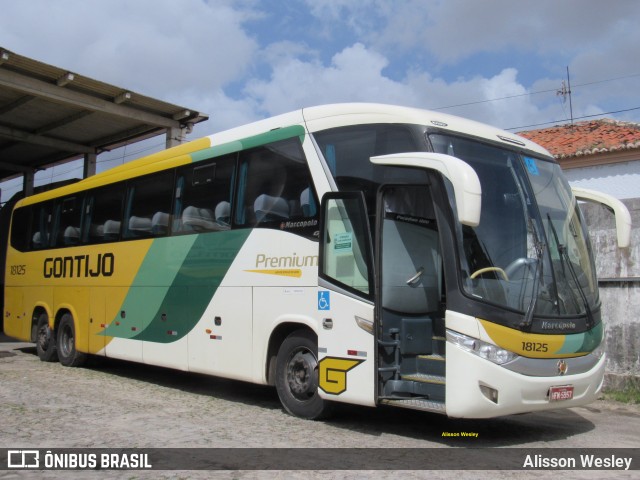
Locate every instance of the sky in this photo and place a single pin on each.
(500, 62)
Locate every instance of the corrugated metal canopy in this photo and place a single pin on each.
(50, 116)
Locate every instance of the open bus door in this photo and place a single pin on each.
(346, 342)
(382, 338)
(410, 302)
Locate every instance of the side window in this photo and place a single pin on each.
(67, 222)
(41, 225)
(347, 151)
(20, 229)
(203, 196)
(103, 214)
(148, 206)
(275, 189)
(345, 243)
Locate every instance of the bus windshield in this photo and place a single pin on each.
(530, 252)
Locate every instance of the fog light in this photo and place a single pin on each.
(490, 393)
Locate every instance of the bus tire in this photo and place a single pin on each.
(45, 340)
(297, 376)
(68, 355)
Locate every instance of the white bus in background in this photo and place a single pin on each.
(357, 253)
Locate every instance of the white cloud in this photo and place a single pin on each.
(452, 30)
(156, 47)
(355, 74)
(456, 38)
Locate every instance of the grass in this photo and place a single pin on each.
(629, 394)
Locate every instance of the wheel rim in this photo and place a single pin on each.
(301, 374)
(44, 336)
(66, 342)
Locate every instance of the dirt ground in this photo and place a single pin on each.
(112, 404)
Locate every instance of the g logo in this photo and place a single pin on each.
(332, 373)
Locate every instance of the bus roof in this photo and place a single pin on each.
(315, 118)
(328, 116)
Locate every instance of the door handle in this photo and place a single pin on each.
(416, 277)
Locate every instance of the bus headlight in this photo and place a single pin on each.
(485, 350)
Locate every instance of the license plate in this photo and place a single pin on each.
(564, 392)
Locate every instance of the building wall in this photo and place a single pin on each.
(619, 279)
(622, 180)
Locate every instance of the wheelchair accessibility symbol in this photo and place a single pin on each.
(324, 301)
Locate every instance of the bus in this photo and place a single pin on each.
(357, 253)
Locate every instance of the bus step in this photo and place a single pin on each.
(415, 386)
(438, 345)
(425, 378)
(415, 404)
(431, 364)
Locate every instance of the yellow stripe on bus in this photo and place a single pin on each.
(532, 345)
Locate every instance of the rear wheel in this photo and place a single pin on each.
(297, 376)
(66, 336)
(45, 340)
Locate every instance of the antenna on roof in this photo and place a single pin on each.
(565, 92)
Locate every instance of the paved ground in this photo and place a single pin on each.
(123, 405)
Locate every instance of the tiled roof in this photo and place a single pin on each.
(587, 138)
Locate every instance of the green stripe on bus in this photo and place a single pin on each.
(149, 288)
(192, 289)
(582, 342)
(249, 142)
(593, 338)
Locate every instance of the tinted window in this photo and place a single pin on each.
(20, 229)
(67, 222)
(203, 196)
(103, 214)
(347, 151)
(275, 189)
(41, 225)
(148, 206)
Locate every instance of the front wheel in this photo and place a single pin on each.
(68, 355)
(297, 376)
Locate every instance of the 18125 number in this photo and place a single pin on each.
(535, 347)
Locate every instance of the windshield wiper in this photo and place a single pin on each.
(528, 317)
(564, 256)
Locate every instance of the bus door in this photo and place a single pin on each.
(345, 303)
(410, 306)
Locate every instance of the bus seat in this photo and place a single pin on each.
(160, 223)
(97, 231)
(269, 209)
(307, 203)
(139, 225)
(71, 235)
(223, 214)
(198, 219)
(295, 210)
(410, 251)
(37, 240)
(111, 230)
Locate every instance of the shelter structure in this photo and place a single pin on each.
(50, 116)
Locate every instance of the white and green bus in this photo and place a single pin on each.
(357, 253)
